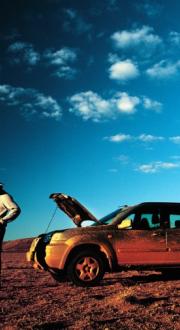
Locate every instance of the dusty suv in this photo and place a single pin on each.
(144, 236)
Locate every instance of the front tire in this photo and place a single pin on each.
(86, 268)
(58, 275)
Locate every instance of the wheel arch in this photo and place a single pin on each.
(93, 246)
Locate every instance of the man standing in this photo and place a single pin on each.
(9, 211)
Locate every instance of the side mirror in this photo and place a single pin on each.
(125, 224)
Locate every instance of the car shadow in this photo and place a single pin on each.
(140, 279)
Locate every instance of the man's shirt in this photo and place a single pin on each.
(9, 210)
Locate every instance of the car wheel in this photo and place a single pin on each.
(86, 268)
(58, 276)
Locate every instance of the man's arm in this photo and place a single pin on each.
(12, 209)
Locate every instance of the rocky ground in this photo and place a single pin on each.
(32, 299)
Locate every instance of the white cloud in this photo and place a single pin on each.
(62, 61)
(123, 70)
(90, 105)
(157, 166)
(174, 38)
(152, 104)
(17, 46)
(118, 138)
(163, 69)
(75, 23)
(127, 104)
(136, 37)
(4, 89)
(149, 138)
(23, 52)
(146, 138)
(147, 168)
(113, 58)
(65, 72)
(148, 8)
(30, 102)
(61, 57)
(175, 139)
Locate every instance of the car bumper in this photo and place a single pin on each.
(31, 255)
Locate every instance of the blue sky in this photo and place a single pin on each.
(89, 105)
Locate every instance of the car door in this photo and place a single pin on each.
(145, 242)
(173, 235)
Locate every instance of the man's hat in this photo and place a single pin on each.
(1, 185)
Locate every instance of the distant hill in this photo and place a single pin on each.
(18, 245)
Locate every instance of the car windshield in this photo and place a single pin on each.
(108, 219)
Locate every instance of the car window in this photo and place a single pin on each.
(174, 220)
(146, 220)
(171, 216)
(150, 220)
(129, 218)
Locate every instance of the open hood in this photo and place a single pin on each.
(76, 211)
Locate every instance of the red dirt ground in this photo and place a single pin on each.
(130, 300)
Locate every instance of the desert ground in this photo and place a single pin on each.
(31, 299)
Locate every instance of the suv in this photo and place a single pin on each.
(143, 236)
